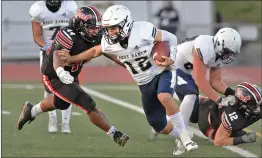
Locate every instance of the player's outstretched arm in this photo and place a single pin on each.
(199, 72)
(114, 58)
(86, 55)
(217, 83)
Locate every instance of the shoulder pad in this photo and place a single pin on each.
(71, 6)
(35, 11)
(201, 47)
(65, 38)
(147, 30)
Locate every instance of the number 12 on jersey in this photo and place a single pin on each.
(142, 62)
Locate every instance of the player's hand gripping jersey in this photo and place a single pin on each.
(137, 56)
(51, 22)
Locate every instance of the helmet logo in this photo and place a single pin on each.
(83, 16)
(239, 94)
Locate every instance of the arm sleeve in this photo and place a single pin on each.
(226, 122)
(169, 37)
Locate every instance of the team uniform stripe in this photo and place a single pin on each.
(47, 83)
(154, 32)
(65, 38)
(211, 133)
(252, 90)
(225, 122)
(199, 53)
(60, 41)
(98, 17)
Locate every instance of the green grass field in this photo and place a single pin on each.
(86, 140)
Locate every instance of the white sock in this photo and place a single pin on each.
(174, 133)
(178, 122)
(36, 110)
(111, 132)
(186, 107)
(53, 112)
(66, 114)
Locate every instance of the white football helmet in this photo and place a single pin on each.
(117, 15)
(227, 43)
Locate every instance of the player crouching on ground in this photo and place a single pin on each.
(224, 123)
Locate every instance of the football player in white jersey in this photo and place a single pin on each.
(194, 57)
(47, 17)
(132, 43)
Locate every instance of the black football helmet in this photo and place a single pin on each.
(53, 5)
(87, 18)
(249, 99)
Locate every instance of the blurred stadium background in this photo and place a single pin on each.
(21, 78)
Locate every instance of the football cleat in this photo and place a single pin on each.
(25, 116)
(52, 125)
(120, 138)
(187, 142)
(180, 149)
(65, 128)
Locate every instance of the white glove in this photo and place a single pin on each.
(64, 76)
(228, 101)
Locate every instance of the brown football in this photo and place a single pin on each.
(160, 49)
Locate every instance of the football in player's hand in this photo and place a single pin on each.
(160, 49)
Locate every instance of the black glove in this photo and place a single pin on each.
(229, 91)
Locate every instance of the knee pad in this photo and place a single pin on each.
(86, 102)
(157, 122)
(61, 104)
(92, 105)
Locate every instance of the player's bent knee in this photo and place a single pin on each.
(158, 125)
(92, 105)
(62, 106)
(218, 142)
(164, 97)
(87, 103)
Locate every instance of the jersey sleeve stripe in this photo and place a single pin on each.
(199, 53)
(154, 32)
(64, 36)
(60, 41)
(225, 122)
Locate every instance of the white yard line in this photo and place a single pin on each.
(4, 112)
(124, 104)
(76, 113)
